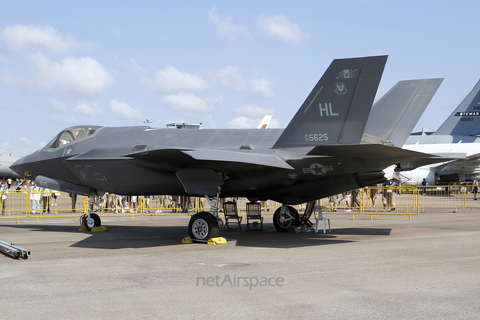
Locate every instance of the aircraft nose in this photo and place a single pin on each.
(20, 168)
(16, 166)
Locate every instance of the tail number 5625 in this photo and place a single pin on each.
(316, 137)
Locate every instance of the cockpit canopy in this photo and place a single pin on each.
(71, 134)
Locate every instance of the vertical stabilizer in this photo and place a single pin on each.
(265, 122)
(337, 109)
(465, 120)
(394, 116)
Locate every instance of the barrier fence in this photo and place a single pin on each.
(368, 201)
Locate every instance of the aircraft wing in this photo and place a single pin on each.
(436, 158)
(468, 165)
(370, 152)
(212, 158)
(268, 160)
(405, 159)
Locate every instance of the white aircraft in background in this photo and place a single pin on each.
(457, 137)
(5, 171)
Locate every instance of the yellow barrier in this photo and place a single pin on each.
(13, 204)
(368, 201)
(471, 199)
(54, 204)
(350, 202)
(113, 205)
(440, 197)
(390, 200)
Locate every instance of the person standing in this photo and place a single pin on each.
(373, 193)
(133, 204)
(475, 188)
(46, 200)
(73, 198)
(35, 196)
(3, 196)
(424, 184)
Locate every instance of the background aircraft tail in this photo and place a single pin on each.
(265, 122)
(337, 109)
(394, 116)
(465, 120)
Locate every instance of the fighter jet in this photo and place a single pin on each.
(322, 151)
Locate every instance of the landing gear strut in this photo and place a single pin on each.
(92, 219)
(284, 217)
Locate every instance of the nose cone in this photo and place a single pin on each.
(20, 167)
(16, 166)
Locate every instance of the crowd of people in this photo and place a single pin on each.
(42, 200)
(351, 198)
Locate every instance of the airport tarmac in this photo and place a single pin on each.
(389, 267)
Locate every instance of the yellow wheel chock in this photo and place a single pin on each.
(211, 241)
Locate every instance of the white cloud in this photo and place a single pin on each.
(20, 38)
(189, 102)
(254, 111)
(208, 122)
(124, 110)
(281, 28)
(170, 80)
(16, 82)
(24, 140)
(58, 105)
(274, 124)
(243, 122)
(117, 31)
(84, 77)
(8, 149)
(88, 108)
(231, 77)
(224, 25)
(62, 118)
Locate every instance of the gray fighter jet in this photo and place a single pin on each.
(322, 151)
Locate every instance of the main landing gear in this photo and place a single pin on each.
(285, 217)
(205, 225)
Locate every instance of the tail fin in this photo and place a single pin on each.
(337, 109)
(265, 122)
(465, 120)
(394, 116)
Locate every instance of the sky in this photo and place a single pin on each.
(224, 64)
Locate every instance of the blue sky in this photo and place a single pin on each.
(223, 63)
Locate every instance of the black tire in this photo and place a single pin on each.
(282, 226)
(98, 221)
(203, 226)
(94, 221)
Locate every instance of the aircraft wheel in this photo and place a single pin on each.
(94, 221)
(202, 226)
(282, 222)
